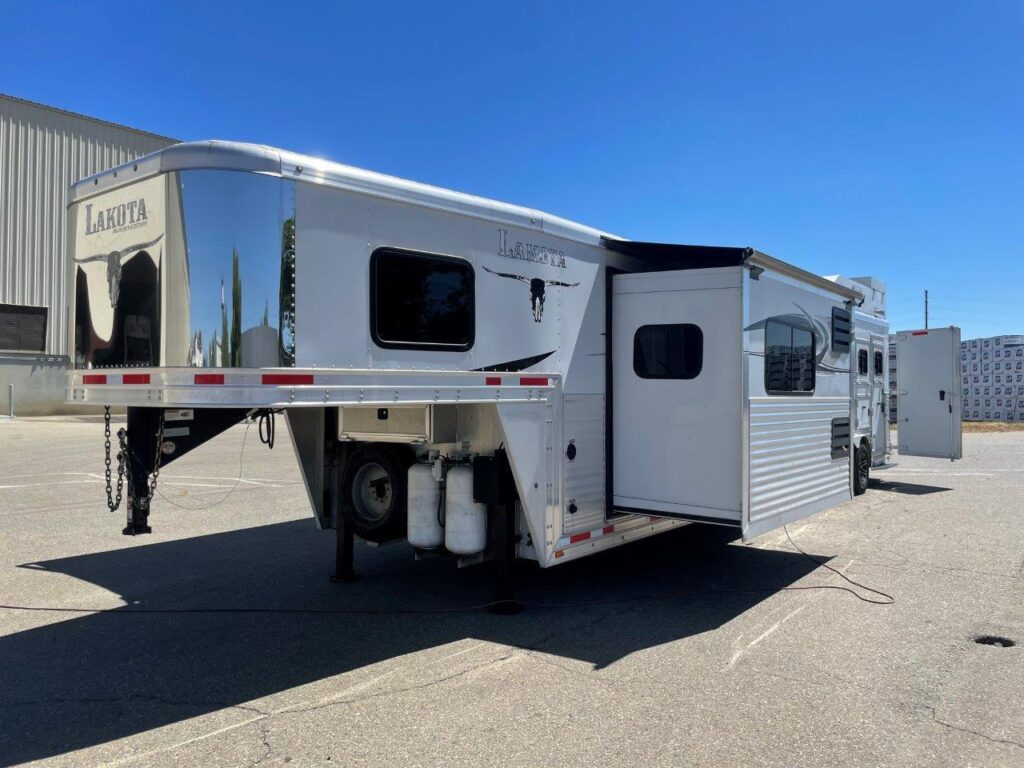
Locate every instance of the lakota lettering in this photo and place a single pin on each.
(128, 215)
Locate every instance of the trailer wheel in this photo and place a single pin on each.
(861, 469)
(373, 491)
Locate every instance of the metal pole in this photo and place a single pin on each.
(926, 309)
(10, 402)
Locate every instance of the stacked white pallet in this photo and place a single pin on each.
(992, 378)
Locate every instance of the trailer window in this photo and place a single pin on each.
(879, 364)
(668, 351)
(788, 359)
(421, 301)
(22, 329)
(862, 362)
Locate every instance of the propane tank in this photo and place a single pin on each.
(465, 521)
(424, 531)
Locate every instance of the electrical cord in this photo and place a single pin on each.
(888, 600)
(448, 610)
(232, 489)
(267, 417)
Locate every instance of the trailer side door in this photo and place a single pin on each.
(928, 408)
(676, 339)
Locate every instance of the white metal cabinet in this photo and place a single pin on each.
(929, 410)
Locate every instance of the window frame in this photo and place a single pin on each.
(668, 377)
(386, 250)
(879, 363)
(814, 353)
(19, 311)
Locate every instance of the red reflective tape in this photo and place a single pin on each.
(919, 333)
(135, 378)
(209, 378)
(94, 378)
(533, 381)
(287, 378)
(607, 529)
(493, 381)
(576, 538)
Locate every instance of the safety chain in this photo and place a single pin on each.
(124, 466)
(156, 458)
(112, 502)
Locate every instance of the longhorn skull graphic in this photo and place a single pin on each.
(537, 286)
(115, 261)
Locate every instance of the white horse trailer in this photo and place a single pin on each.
(479, 378)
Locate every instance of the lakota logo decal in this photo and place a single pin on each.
(117, 218)
(537, 287)
(529, 251)
(115, 261)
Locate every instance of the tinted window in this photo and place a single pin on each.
(862, 362)
(788, 358)
(879, 364)
(421, 301)
(668, 351)
(22, 328)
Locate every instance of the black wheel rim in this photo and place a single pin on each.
(862, 466)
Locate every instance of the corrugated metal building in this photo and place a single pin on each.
(42, 152)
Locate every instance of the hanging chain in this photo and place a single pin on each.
(124, 466)
(112, 502)
(157, 457)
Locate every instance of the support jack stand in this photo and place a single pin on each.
(344, 555)
(494, 485)
(505, 601)
(138, 509)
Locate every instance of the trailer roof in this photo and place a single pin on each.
(257, 158)
(671, 256)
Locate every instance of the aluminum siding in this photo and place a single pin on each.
(584, 476)
(790, 455)
(43, 151)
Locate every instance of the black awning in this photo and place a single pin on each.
(676, 256)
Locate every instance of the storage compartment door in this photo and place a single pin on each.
(928, 405)
(677, 395)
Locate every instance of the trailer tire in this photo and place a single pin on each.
(373, 493)
(861, 469)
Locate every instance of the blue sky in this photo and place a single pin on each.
(862, 138)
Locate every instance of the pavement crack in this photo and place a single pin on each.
(964, 729)
(264, 731)
(394, 691)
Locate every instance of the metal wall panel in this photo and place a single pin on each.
(791, 472)
(42, 152)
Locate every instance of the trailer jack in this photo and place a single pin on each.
(495, 486)
(142, 446)
(143, 451)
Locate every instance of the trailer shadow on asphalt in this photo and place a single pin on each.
(97, 677)
(908, 489)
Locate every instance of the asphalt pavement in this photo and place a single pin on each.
(219, 640)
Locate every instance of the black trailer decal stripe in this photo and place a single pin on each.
(516, 365)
